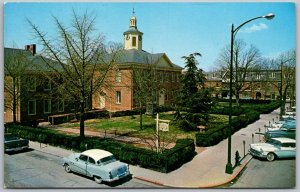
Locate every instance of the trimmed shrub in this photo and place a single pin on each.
(170, 159)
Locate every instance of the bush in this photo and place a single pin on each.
(186, 125)
(219, 132)
(167, 161)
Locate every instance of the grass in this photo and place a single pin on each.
(130, 125)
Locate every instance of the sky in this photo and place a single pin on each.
(175, 28)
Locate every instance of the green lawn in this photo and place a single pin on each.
(130, 125)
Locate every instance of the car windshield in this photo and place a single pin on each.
(107, 160)
(274, 142)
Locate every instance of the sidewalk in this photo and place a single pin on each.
(206, 170)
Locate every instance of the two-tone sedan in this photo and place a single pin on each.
(274, 148)
(98, 164)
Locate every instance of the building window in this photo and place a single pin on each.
(167, 76)
(161, 76)
(273, 75)
(61, 105)
(47, 106)
(47, 85)
(31, 107)
(118, 97)
(32, 84)
(257, 76)
(118, 76)
(178, 77)
(133, 41)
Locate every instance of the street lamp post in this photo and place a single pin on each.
(234, 31)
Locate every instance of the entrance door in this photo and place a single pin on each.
(161, 99)
(101, 102)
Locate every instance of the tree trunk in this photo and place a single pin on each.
(14, 101)
(141, 117)
(82, 118)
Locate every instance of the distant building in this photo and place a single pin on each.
(258, 84)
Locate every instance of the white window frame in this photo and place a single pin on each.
(34, 107)
(118, 76)
(48, 102)
(48, 83)
(118, 97)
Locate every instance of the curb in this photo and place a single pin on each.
(240, 168)
(149, 181)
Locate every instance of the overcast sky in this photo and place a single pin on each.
(176, 29)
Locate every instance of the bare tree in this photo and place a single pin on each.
(146, 85)
(286, 62)
(77, 60)
(244, 59)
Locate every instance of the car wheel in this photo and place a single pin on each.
(67, 168)
(270, 156)
(98, 179)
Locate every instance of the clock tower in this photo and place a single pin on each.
(133, 37)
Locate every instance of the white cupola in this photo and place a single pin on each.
(133, 37)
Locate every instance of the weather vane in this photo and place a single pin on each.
(133, 11)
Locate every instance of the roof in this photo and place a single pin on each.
(35, 62)
(132, 30)
(127, 56)
(284, 139)
(97, 154)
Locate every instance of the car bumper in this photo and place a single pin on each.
(118, 177)
(16, 149)
(257, 153)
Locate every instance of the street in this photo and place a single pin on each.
(35, 169)
(264, 174)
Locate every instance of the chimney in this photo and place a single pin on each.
(31, 48)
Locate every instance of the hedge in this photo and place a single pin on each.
(169, 160)
(264, 106)
(215, 135)
(248, 115)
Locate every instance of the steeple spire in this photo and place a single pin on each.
(133, 20)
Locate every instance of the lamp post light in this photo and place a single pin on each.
(234, 31)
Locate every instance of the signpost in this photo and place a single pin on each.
(161, 125)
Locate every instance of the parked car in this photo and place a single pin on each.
(98, 164)
(289, 123)
(14, 143)
(274, 148)
(286, 130)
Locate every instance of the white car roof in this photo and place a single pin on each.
(284, 139)
(96, 154)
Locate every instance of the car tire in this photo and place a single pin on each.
(67, 168)
(270, 156)
(98, 179)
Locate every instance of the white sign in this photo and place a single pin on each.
(163, 126)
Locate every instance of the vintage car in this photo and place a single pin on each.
(274, 148)
(287, 130)
(290, 123)
(14, 143)
(98, 164)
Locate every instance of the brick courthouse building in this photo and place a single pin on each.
(121, 96)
